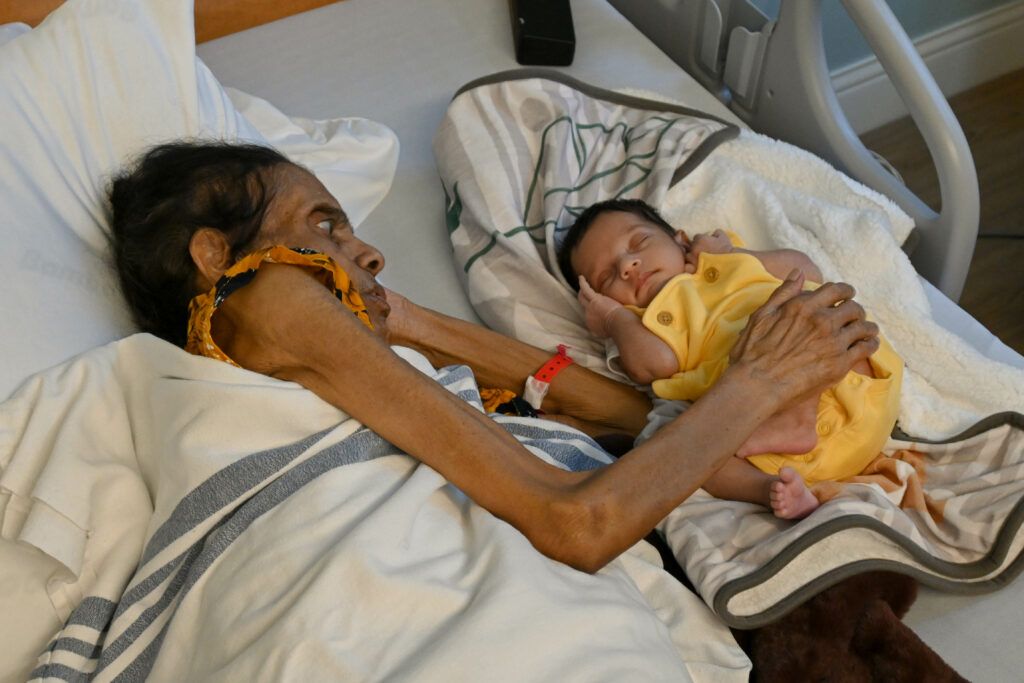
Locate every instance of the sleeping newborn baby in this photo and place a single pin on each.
(675, 306)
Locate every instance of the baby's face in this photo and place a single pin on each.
(628, 258)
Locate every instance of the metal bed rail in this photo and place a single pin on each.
(773, 74)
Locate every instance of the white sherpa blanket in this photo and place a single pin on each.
(773, 195)
(212, 523)
(521, 153)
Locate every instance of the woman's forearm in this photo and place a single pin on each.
(501, 362)
(583, 519)
(306, 337)
(287, 325)
(665, 470)
(796, 344)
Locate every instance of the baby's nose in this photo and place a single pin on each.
(628, 265)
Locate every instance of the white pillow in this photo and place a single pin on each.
(91, 87)
(12, 31)
(355, 158)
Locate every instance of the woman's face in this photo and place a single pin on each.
(302, 213)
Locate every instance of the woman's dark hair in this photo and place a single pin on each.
(161, 200)
(637, 207)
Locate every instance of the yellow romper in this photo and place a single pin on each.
(700, 316)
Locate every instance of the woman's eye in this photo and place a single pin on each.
(327, 225)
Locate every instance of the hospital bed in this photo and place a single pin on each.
(399, 63)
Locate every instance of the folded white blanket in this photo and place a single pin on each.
(216, 523)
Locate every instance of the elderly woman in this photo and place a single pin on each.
(235, 253)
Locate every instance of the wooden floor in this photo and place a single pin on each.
(992, 116)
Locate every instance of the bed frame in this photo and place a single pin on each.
(773, 75)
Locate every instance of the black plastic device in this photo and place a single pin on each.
(542, 32)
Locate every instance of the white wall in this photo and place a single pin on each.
(960, 55)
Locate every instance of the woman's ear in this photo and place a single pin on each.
(682, 239)
(211, 253)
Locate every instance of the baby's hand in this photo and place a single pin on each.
(716, 242)
(598, 308)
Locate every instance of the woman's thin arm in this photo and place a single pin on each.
(501, 362)
(288, 326)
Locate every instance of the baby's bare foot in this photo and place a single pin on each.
(790, 498)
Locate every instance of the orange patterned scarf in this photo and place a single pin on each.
(203, 306)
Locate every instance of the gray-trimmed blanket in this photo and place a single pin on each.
(203, 522)
(522, 153)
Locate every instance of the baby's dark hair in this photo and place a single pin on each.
(161, 200)
(637, 207)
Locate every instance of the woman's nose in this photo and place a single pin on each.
(365, 255)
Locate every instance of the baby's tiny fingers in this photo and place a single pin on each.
(586, 294)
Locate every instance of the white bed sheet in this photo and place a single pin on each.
(399, 62)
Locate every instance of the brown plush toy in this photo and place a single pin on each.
(849, 632)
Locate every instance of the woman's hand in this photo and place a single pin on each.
(804, 342)
(597, 308)
(401, 319)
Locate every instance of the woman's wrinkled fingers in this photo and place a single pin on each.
(764, 322)
(847, 312)
(806, 341)
(853, 327)
(790, 287)
(832, 293)
(860, 336)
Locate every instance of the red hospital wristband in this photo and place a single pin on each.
(538, 384)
